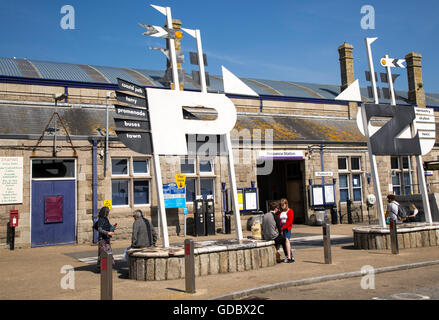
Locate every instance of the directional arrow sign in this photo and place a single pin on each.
(161, 32)
(390, 62)
(132, 112)
(134, 125)
(137, 141)
(125, 98)
(129, 86)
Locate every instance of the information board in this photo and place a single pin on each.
(11, 180)
(174, 197)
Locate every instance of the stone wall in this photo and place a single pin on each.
(168, 263)
(415, 235)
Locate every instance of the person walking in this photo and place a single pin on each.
(286, 217)
(271, 230)
(105, 232)
(143, 235)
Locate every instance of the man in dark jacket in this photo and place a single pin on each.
(272, 230)
(143, 233)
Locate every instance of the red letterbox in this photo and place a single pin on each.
(13, 220)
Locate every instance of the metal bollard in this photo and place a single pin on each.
(189, 265)
(394, 236)
(327, 243)
(106, 276)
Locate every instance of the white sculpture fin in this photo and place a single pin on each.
(351, 93)
(232, 84)
(162, 10)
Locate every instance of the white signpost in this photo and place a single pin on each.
(165, 112)
(423, 126)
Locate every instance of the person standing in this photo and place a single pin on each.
(286, 217)
(271, 230)
(392, 209)
(143, 235)
(105, 232)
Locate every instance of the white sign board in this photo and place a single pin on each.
(280, 154)
(324, 174)
(11, 180)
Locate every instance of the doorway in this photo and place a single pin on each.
(53, 205)
(286, 180)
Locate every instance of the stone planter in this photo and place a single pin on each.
(410, 235)
(211, 257)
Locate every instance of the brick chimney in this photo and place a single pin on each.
(347, 73)
(416, 93)
(346, 65)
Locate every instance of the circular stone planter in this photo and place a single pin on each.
(410, 235)
(211, 257)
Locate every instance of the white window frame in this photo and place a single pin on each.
(131, 176)
(119, 175)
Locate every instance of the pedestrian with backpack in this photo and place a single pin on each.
(394, 210)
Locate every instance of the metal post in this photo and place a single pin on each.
(54, 132)
(201, 62)
(372, 158)
(106, 135)
(12, 240)
(327, 243)
(394, 236)
(233, 189)
(106, 276)
(172, 53)
(189, 265)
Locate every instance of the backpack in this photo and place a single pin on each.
(402, 213)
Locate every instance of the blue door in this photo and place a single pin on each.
(53, 212)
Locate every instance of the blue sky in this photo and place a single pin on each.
(278, 40)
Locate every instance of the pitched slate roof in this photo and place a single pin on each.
(108, 74)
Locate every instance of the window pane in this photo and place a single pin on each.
(395, 180)
(206, 166)
(190, 189)
(405, 162)
(356, 180)
(207, 187)
(119, 166)
(396, 190)
(357, 194)
(141, 191)
(408, 190)
(187, 166)
(119, 191)
(53, 168)
(407, 180)
(140, 166)
(343, 180)
(342, 164)
(343, 195)
(355, 163)
(394, 162)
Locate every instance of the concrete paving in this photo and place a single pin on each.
(40, 273)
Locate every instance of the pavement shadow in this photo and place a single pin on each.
(316, 262)
(120, 266)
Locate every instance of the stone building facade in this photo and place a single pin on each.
(319, 132)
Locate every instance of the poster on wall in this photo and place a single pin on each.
(11, 180)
